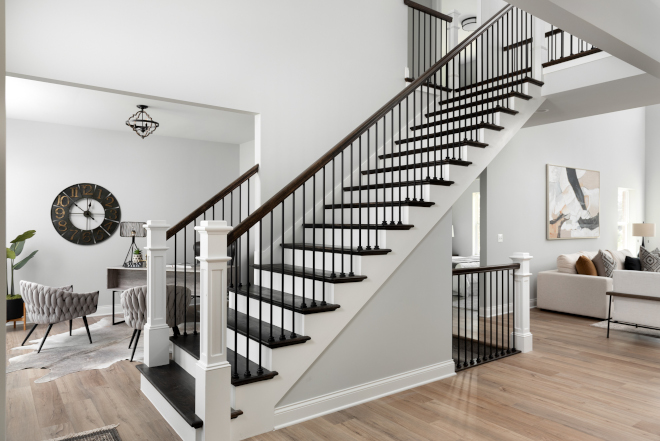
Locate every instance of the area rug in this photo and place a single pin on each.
(626, 328)
(64, 354)
(107, 433)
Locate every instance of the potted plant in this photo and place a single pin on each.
(15, 301)
(137, 256)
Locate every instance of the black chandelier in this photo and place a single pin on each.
(142, 123)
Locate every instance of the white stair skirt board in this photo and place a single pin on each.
(258, 400)
(313, 408)
(172, 417)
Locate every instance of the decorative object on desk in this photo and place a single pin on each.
(15, 307)
(85, 214)
(643, 230)
(573, 203)
(133, 230)
(142, 123)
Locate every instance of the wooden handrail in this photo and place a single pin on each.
(281, 195)
(211, 202)
(485, 269)
(429, 11)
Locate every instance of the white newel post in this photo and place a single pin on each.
(213, 380)
(540, 52)
(452, 41)
(157, 334)
(521, 283)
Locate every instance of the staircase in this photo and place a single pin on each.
(304, 263)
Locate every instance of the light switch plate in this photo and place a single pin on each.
(500, 237)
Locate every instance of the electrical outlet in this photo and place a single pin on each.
(500, 237)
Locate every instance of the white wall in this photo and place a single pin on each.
(153, 178)
(405, 326)
(462, 221)
(313, 70)
(652, 171)
(613, 144)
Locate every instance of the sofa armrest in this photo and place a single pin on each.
(573, 293)
(637, 282)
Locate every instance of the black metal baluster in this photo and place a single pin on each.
(303, 305)
(323, 303)
(282, 336)
(293, 267)
(333, 227)
(465, 322)
(479, 341)
(376, 247)
(343, 224)
(236, 280)
(490, 315)
(458, 323)
(472, 357)
(369, 184)
(272, 288)
(407, 155)
(392, 165)
(391, 173)
(195, 277)
(508, 310)
(185, 279)
(359, 247)
(313, 243)
(497, 315)
(260, 369)
(503, 351)
(176, 334)
(350, 253)
(514, 311)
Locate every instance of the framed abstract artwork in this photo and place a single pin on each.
(573, 203)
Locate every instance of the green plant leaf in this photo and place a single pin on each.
(11, 254)
(25, 236)
(18, 247)
(22, 263)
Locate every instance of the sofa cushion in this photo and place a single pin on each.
(604, 263)
(585, 266)
(633, 264)
(566, 263)
(650, 261)
(620, 257)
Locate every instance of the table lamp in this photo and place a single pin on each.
(132, 230)
(643, 230)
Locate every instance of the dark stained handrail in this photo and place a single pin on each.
(429, 11)
(485, 269)
(290, 188)
(211, 202)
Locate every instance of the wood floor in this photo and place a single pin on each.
(575, 385)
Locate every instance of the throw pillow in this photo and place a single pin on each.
(620, 257)
(650, 262)
(656, 251)
(566, 263)
(585, 266)
(604, 263)
(633, 264)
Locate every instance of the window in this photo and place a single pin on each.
(476, 224)
(624, 224)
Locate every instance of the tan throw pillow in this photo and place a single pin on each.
(566, 263)
(585, 266)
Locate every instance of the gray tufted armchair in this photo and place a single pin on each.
(134, 304)
(46, 305)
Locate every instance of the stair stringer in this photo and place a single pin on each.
(259, 400)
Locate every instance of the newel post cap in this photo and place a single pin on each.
(213, 227)
(156, 224)
(519, 256)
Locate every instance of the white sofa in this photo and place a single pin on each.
(564, 290)
(636, 311)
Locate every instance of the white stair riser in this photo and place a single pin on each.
(512, 104)
(523, 88)
(444, 140)
(385, 194)
(342, 237)
(255, 347)
(289, 316)
(370, 214)
(415, 174)
(424, 157)
(299, 282)
(318, 258)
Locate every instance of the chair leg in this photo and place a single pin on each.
(87, 327)
(175, 331)
(609, 317)
(29, 334)
(70, 327)
(43, 340)
(137, 338)
(132, 337)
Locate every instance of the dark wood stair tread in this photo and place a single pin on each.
(518, 44)
(481, 125)
(291, 302)
(572, 57)
(309, 273)
(380, 204)
(514, 74)
(336, 249)
(444, 183)
(486, 90)
(395, 168)
(177, 386)
(473, 115)
(433, 149)
(476, 103)
(190, 344)
(255, 326)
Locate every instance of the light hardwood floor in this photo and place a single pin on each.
(575, 385)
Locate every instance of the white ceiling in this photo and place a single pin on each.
(62, 104)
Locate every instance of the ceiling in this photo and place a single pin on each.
(42, 101)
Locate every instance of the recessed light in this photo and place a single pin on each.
(542, 110)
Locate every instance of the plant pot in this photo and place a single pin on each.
(137, 258)
(14, 309)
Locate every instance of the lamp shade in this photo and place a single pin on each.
(643, 230)
(129, 229)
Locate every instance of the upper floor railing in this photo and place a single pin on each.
(563, 47)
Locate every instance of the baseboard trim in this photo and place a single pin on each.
(532, 303)
(107, 310)
(315, 407)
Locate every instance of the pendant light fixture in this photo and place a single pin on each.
(142, 123)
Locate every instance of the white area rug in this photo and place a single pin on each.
(64, 354)
(626, 328)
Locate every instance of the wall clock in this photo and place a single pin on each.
(85, 214)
